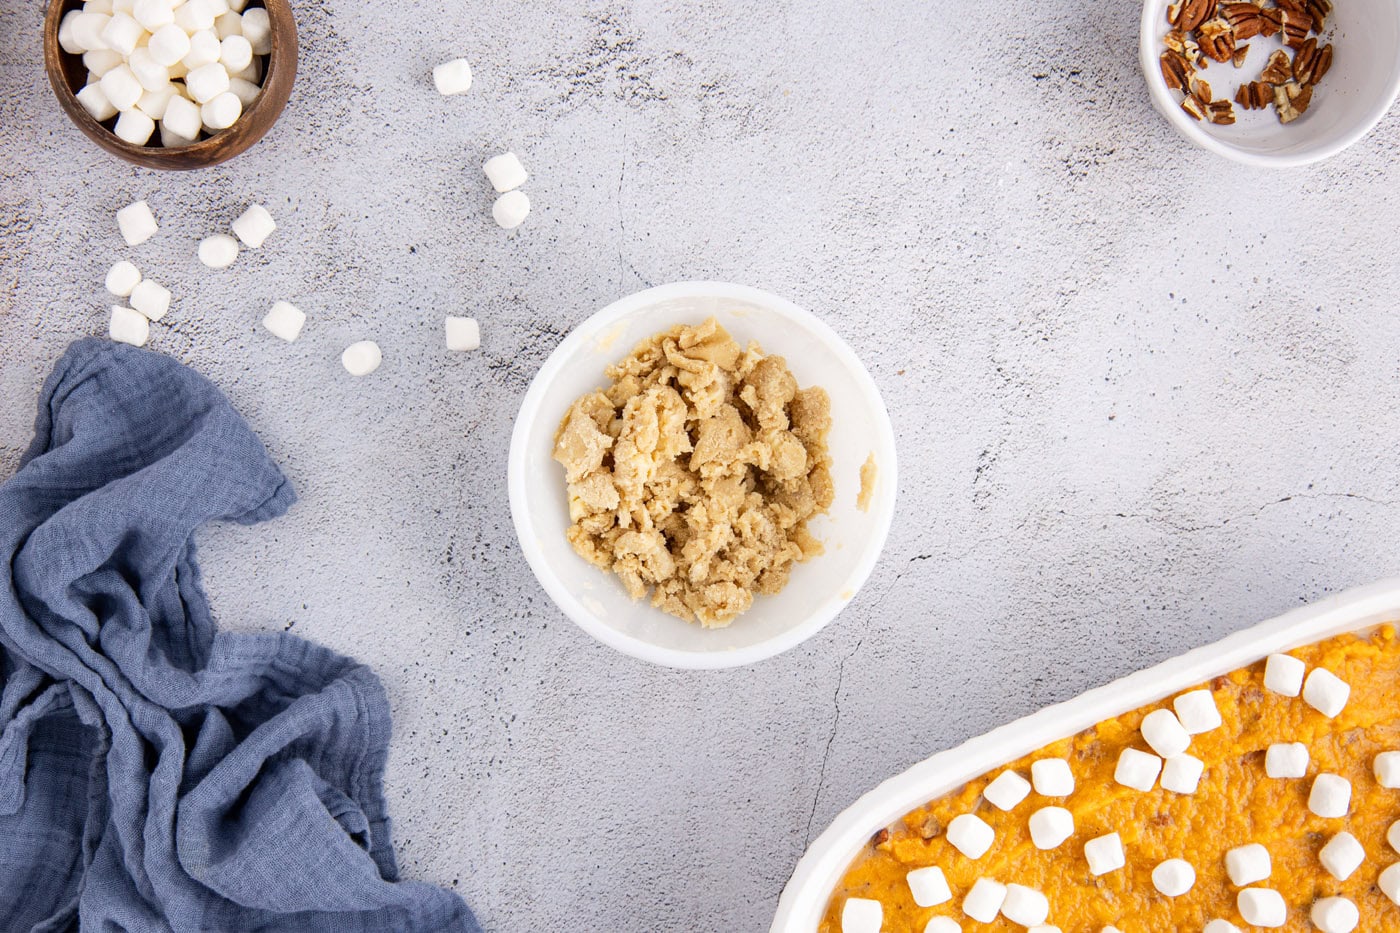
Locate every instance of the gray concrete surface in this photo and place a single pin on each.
(1144, 397)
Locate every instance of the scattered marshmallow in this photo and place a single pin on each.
(1330, 796)
(206, 82)
(1044, 928)
(505, 172)
(134, 127)
(235, 52)
(151, 299)
(95, 102)
(128, 326)
(1286, 760)
(1220, 926)
(1386, 767)
(454, 77)
(1325, 692)
(254, 226)
(285, 320)
(1005, 792)
(1162, 731)
(1389, 883)
(1025, 906)
(1262, 907)
(183, 118)
(1248, 864)
(1110, 929)
(218, 251)
(1335, 915)
(1392, 835)
(1052, 777)
(169, 45)
(1342, 856)
(122, 278)
(136, 223)
(1173, 877)
(221, 112)
(861, 915)
(1104, 854)
(1051, 826)
(463, 334)
(257, 29)
(1283, 674)
(121, 87)
(1182, 774)
(943, 925)
(1197, 712)
(511, 209)
(928, 886)
(970, 835)
(1137, 769)
(363, 358)
(984, 901)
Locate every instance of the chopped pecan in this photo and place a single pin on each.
(880, 838)
(1201, 90)
(930, 826)
(1193, 13)
(1176, 70)
(1240, 53)
(1278, 69)
(1270, 21)
(1221, 112)
(1216, 39)
(1256, 95)
(1319, 10)
(1193, 107)
(1175, 40)
(1296, 27)
(1244, 19)
(1304, 60)
(1173, 13)
(1323, 64)
(1291, 100)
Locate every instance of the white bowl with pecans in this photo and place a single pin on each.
(1278, 83)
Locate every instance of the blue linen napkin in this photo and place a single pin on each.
(155, 773)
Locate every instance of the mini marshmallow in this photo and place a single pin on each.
(984, 901)
(1044, 928)
(1220, 926)
(286, 321)
(169, 45)
(121, 87)
(221, 112)
(218, 251)
(1110, 929)
(861, 915)
(95, 102)
(1104, 854)
(464, 333)
(1262, 907)
(150, 299)
(1283, 674)
(154, 103)
(1137, 769)
(134, 127)
(206, 82)
(114, 6)
(454, 77)
(1197, 711)
(1392, 835)
(1286, 760)
(928, 886)
(136, 223)
(172, 140)
(257, 29)
(1389, 883)
(245, 91)
(193, 17)
(1248, 864)
(153, 14)
(122, 278)
(363, 358)
(1335, 915)
(102, 6)
(183, 118)
(943, 925)
(121, 33)
(1325, 692)
(66, 39)
(970, 835)
(235, 53)
(1162, 731)
(1025, 906)
(237, 6)
(1386, 767)
(100, 61)
(505, 172)
(251, 74)
(1342, 856)
(254, 226)
(1182, 774)
(511, 209)
(1330, 796)
(1051, 826)
(1173, 877)
(204, 50)
(229, 24)
(1006, 791)
(87, 31)
(1052, 777)
(128, 326)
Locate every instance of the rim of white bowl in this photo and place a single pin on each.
(882, 509)
(1152, 10)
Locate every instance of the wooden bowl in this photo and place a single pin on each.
(68, 76)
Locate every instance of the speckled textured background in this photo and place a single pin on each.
(1144, 397)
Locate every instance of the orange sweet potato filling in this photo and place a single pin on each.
(1235, 804)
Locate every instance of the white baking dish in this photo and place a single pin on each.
(804, 899)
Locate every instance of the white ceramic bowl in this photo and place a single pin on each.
(818, 589)
(1347, 104)
(804, 899)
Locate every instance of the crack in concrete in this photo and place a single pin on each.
(1259, 510)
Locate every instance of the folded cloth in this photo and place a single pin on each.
(156, 774)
